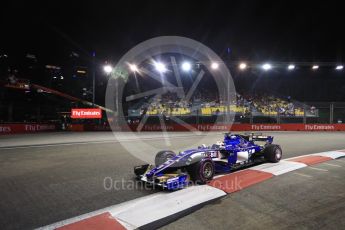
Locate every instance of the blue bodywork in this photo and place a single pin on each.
(233, 152)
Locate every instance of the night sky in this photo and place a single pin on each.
(253, 30)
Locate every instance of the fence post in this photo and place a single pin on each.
(251, 116)
(197, 116)
(331, 108)
(10, 111)
(304, 113)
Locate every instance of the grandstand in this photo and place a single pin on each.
(255, 105)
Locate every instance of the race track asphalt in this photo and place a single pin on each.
(49, 177)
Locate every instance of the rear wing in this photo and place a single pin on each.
(253, 137)
(260, 137)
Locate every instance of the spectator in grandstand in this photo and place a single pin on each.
(170, 104)
(290, 109)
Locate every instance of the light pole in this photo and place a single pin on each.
(134, 69)
(93, 78)
(108, 69)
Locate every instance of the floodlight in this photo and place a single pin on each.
(214, 65)
(291, 67)
(339, 67)
(186, 66)
(242, 66)
(108, 69)
(266, 66)
(160, 67)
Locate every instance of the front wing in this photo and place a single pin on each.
(169, 181)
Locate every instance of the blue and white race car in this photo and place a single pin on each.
(173, 171)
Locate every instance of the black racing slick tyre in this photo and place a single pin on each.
(273, 153)
(202, 171)
(163, 156)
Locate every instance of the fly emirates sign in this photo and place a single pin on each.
(86, 113)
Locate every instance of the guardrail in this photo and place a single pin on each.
(245, 127)
(219, 127)
(36, 128)
(26, 128)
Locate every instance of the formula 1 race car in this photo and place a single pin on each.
(173, 171)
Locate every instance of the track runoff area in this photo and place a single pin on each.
(302, 166)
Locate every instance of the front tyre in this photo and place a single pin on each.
(202, 171)
(273, 153)
(163, 156)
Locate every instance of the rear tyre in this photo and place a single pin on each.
(202, 171)
(273, 153)
(163, 156)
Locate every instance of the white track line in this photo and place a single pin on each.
(318, 169)
(334, 165)
(86, 142)
(302, 174)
